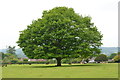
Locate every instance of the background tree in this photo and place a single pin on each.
(112, 55)
(11, 50)
(25, 59)
(117, 58)
(60, 33)
(101, 58)
(8, 58)
(2, 55)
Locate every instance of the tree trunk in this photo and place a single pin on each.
(82, 62)
(58, 61)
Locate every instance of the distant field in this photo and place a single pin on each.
(65, 71)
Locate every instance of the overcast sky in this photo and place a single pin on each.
(15, 15)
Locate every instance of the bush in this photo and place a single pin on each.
(25, 59)
(14, 61)
(117, 58)
(112, 55)
(101, 58)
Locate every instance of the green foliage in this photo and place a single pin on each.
(66, 60)
(71, 60)
(60, 33)
(2, 55)
(76, 60)
(51, 61)
(101, 58)
(9, 58)
(117, 58)
(11, 49)
(112, 55)
(25, 59)
(14, 61)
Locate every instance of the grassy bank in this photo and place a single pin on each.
(65, 71)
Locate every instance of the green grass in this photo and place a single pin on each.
(66, 71)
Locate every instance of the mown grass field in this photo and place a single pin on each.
(65, 71)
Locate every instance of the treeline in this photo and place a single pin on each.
(11, 58)
(10, 55)
(113, 58)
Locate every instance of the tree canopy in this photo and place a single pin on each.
(60, 33)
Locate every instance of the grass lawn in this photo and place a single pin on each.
(66, 71)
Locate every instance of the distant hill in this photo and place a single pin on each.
(109, 50)
(104, 50)
(19, 52)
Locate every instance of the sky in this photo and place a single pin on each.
(15, 15)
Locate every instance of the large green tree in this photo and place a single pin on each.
(60, 33)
